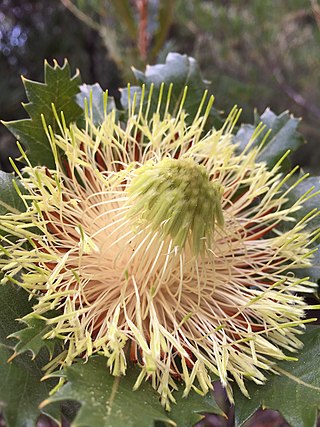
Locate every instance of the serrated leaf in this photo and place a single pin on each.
(10, 201)
(96, 100)
(14, 304)
(59, 89)
(283, 136)
(312, 272)
(189, 411)
(32, 338)
(311, 186)
(181, 71)
(108, 401)
(21, 389)
(295, 393)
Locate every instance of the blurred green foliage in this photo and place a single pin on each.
(259, 54)
(254, 53)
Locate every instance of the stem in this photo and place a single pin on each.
(143, 36)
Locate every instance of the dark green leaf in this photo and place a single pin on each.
(108, 401)
(181, 71)
(282, 136)
(189, 411)
(21, 389)
(32, 339)
(95, 99)
(59, 89)
(10, 201)
(14, 304)
(295, 393)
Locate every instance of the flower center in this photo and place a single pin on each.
(177, 198)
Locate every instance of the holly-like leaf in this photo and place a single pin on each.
(10, 201)
(32, 338)
(108, 401)
(178, 70)
(310, 187)
(295, 393)
(306, 190)
(282, 136)
(59, 89)
(105, 399)
(96, 100)
(14, 304)
(21, 389)
(312, 272)
(189, 411)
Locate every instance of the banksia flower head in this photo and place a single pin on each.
(158, 243)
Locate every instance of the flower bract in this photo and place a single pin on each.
(159, 243)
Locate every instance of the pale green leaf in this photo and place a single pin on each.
(308, 187)
(97, 102)
(279, 135)
(312, 272)
(179, 70)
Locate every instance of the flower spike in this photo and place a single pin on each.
(162, 245)
(177, 198)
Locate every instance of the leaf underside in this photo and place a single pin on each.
(278, 136)
(178, 70)
(93, 99)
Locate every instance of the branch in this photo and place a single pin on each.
(294, 95)
(143, 36)
(81, 16)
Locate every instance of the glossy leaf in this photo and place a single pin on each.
(14, 304)
(189, 411)
(59, 89)
(295, 393)
(21, 389)
(31, 338)
(96, 389)
(108, 401)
